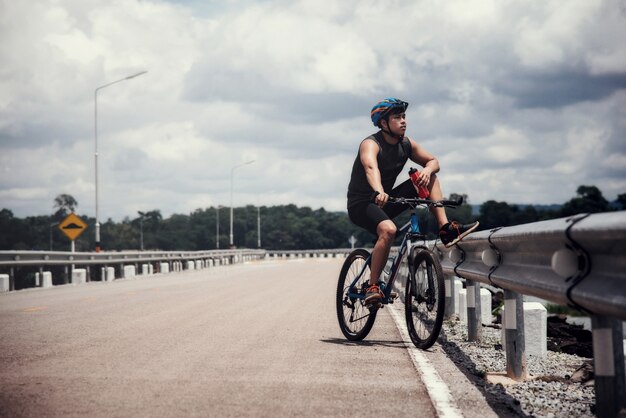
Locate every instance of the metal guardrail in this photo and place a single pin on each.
(578, 261)
(311, 253)
(160, 261)
(49, 258)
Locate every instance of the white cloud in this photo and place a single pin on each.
(521, 102)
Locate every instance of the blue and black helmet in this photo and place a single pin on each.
(385, 107)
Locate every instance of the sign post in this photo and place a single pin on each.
(72, 226)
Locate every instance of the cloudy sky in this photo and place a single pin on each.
(521, 101)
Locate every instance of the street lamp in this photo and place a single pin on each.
(217, 226)
(96, 148)
(258, 224)
(232, 173)
(141, 215)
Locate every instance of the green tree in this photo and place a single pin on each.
(64, 205)
(495, 214)
(621, 199)
(589, 199)
(462, 214)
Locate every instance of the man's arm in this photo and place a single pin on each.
(368, 153)
(426, 160)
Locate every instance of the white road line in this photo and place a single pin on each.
(437, 389)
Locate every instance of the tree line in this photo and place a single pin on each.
(283, 227)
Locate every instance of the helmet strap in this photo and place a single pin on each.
(388, 131)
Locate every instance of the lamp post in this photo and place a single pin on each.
(258, 224)
(141, 215)
(217, 227)
(96, 145)
(232, 174)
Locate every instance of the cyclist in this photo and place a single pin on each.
(379, 161)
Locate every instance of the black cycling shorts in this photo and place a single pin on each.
(368, 215)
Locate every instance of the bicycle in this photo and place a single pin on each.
(424, 294)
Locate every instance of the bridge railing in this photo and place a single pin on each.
(97, 264)
(578, 261)
(317, 253)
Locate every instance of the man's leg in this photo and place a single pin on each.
(435, 194)
(386, 231)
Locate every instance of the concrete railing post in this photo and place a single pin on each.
(450, 296)
(474, 323)
(46, 279)
(515, 345)
(608, 359)
(5, 283)
(79, 276)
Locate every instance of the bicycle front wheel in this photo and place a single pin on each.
(355, 319)
(425, 299)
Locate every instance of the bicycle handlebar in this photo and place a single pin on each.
(415, 201)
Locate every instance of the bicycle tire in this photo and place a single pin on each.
(425, 299)
(355, 319)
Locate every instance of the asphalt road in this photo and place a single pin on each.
(259, 339)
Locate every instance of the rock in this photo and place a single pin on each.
(584, 373)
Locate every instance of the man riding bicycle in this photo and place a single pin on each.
(379, 161)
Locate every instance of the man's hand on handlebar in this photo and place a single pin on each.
(381, 199)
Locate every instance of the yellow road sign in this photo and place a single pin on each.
(72, 226)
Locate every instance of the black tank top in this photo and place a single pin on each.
(391, 159)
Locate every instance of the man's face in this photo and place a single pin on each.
(397, 123)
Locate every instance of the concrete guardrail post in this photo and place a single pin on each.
(79, 276)
(515, 346)
(458, 286)
(485, 307)
(46, 281)
(536, 329)
(462, 309)
(474, 326)
(38, 277)
(450, 297)
(608, 359)
(5, 283)
(129, 272)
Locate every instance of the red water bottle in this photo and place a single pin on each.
(422, 191)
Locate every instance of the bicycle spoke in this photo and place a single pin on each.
(425, 300)
(355, 320)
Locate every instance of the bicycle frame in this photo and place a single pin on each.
(424, 292)
(410, 231)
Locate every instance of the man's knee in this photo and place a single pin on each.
(387, 230)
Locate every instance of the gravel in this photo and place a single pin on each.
(549, 392)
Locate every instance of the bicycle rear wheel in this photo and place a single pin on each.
(425, 299)
(355, 319)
